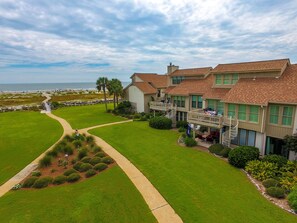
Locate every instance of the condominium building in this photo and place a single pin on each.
(250, 103)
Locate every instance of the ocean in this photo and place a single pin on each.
(50, 86)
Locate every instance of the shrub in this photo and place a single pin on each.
(190, 142)
(82, 153)
(261, 170)
(68, 172)
(270, 183)
(77, 166)
(137, 116)
(181, 129)
(239, 156)
(86, 159)
(53, 153)
(45, 161)
(160, 122)
(90, 173)
(279, 160)
(292, 199)
(73, 177)
(95, 160)
(90, 139)
(183, 124)
(143, 118)
(216, 148)
(68, 138)
(67, 150)
(100, 166)
(96, 149)
(42, 182)
(59, 180)
(77, 143)
(276, 192)
(107, 160)
(84, 167)
(225, 152)
(29, 182)
(100, 154)
(36, 174)
(74, 161)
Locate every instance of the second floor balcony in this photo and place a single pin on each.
(161, 106)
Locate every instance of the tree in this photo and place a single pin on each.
(291, 142)
(101, 84)
(115, 88)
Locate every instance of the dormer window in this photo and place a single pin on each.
(177, 79)
(226, 79)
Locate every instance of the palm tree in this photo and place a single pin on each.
(115, 88)
(101, 84)
(111, 87)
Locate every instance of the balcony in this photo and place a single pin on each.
(160, 106)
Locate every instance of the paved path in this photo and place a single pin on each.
(160, 208)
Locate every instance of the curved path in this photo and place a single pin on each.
(160, 208)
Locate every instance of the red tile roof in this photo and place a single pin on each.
(257, 66)
(262, 91)
(158, 81)
(145, 87)
(169, 89)
(216, 93)
(191, 72)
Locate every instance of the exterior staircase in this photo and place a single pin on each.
(172, 114)
(231, 133)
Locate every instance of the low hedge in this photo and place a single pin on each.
(276, 192)
(29, 182)
(183, 124)
(68, 172)
(270, 183)
(277, 159)
(45, 161)
(36, 174)
(82, 153)
(90, 173)
(100, 166)
(60, 179)
(292, 199)
(67, 150)
(225, 152)
(100, 154)
(95, 160)
(84, 167)
(160, 122)
(73, 177)
(42, 182)
(216, 148)
(261, 170)
(86, 159)
(107, 160)
(190, 142)
(77, 165)
(239, 156)
(96, 149)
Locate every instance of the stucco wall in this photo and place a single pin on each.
(136, 96)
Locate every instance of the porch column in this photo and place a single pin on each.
(221, 133)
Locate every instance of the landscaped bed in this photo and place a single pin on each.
(73, 159)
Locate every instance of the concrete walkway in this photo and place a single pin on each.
(160, 208)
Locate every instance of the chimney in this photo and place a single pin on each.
(171, 68)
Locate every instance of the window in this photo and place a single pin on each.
(245, 138)
(234, 78)
(177, 79)
(220, 108)
(254, 113)
(273, 111)
(231, 110)
(200, 102)
(179, 101)
(242, 112)
(211, 104)
(242, 137)
(251, 138)
(287, 115)
(227, 79)
(218, 79)
(194, 101)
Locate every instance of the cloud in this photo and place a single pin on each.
(83, 39)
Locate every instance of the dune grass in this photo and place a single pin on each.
(87, 116)
(24, 136)
(199, 186)
(106, 198)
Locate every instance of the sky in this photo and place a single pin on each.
(49, 41)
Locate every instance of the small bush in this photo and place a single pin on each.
(68, 138)
(59, 180)
(86, 159)
(36, 174)
(100, 154)
(42, 182)
(279, 160)
(29, 182)
(95, 160)
(45, 161)
(82, 153)
(292, 199)
(68, 150)
(107, 160)
(96, 149)
(68, 172)
(190, 142)
(137, 116)
(270, 183)
(181, 129)
(74, 161)
(73, 177)
(225, 152)
(276, 192)
(216, 149)
(53, 153)
(84, 167)
(143, 118)
(77, 166)
(77, 143)
(160, 122)
(261, 170)
(183, 124)
(100, 166)
(90, 173)
(90, 139)
(239, 156)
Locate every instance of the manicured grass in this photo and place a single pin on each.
(24, 136)
(87, 116)
(199, 186)
(106, 198)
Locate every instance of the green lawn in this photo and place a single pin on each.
(86, 116)
(24, 136)
(199, 186)
(106, 198)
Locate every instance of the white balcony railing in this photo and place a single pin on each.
(160, 106)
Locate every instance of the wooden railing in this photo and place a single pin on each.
(201, 118)
(161, 106)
